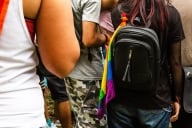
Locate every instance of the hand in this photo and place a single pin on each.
(176, 109)
(107, 34)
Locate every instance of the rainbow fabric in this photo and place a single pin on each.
(3, 10)
(107, 91)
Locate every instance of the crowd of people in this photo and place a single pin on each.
(61, 44)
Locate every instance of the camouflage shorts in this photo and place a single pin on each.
(84, 98)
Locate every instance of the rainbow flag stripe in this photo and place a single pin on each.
(3, 10)
(107, 91)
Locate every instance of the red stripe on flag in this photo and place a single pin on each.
(3, 10)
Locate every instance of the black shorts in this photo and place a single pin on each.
(57, 88)
(55, 84)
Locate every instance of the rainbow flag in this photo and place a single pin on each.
(3, 10)
(107, 91)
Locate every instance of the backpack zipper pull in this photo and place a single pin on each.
(127, 70)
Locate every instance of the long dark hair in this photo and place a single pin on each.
(149, 11)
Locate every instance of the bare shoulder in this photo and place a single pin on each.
(31, 8)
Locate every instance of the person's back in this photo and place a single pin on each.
(16, 84)
(21, 99)
(143, 109)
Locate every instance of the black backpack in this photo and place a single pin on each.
(136, 59)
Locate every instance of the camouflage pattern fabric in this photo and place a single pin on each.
(84, 98)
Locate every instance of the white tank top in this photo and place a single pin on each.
(21, 99)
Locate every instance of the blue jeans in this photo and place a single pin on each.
(121, 116)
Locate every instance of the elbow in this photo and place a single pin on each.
(176, 65)
(175, 61)
(89, 42)
(62, 67)
(65, 68)
(63, 72)
(71, 64)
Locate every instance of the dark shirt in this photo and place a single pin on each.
(164, 94)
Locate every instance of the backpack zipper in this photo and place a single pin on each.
(127, 69)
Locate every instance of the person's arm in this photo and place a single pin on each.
(58, 46)
(175, 36)
(176, 71)
(92, 35)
